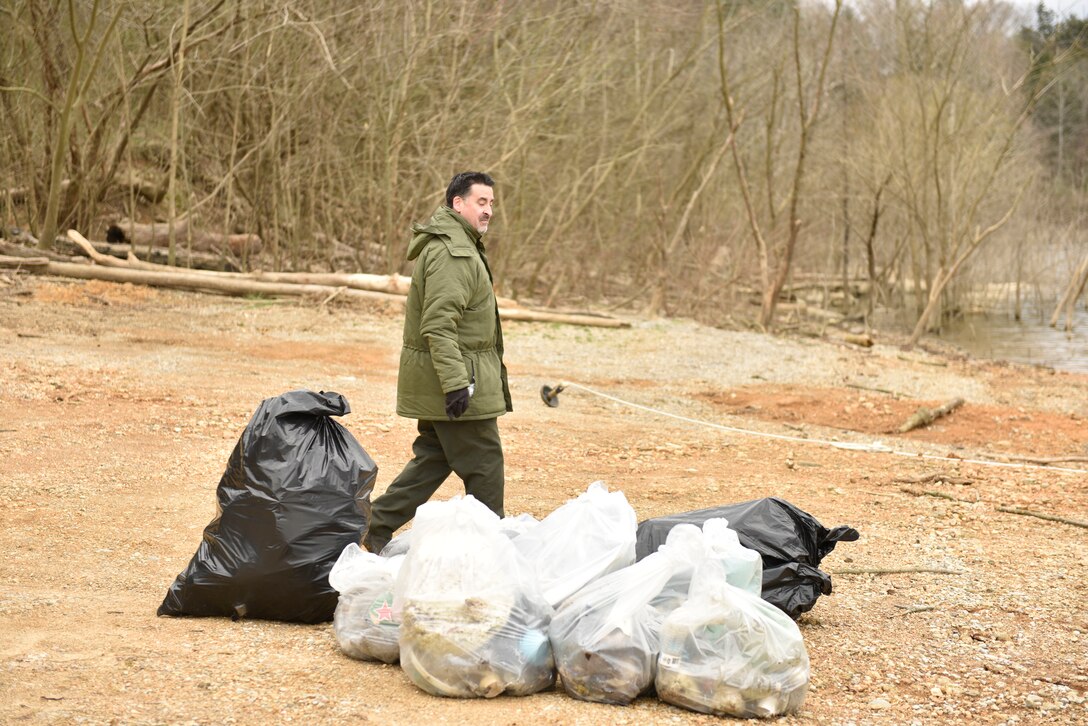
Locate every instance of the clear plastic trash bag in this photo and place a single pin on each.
(582, 540)
(511, 526)
(728, 652)
(473, 621)
(364, 623)
(606, 635)
(742, 567)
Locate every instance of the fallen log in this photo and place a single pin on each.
(158, 234)
(925, 416)
(111, 258)
(239, 284)
(863, 340)
(17, 250)
(543, 316)
(203, 282)
(395, 284)
(19, 262)
(158, 256)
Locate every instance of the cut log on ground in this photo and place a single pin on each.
(227, 285)
(863, 340)
(394, 284)
(158, 234)
(543, 316)
(13, 262)
(158, 256)
(18, 250)
(121, 255)
(240, 284)
(925, 416)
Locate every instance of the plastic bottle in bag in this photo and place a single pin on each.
(742, 567)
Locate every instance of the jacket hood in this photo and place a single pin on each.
(443, 223)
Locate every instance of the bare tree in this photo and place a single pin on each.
(775, 236)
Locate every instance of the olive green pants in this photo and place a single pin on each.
(470, 449)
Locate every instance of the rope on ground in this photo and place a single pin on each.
(875, 447)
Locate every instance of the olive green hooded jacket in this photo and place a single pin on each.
(452, 333)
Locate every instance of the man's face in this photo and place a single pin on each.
(477, 206)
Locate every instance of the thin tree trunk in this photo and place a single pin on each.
(175, 113)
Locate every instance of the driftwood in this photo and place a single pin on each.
(925, 416)
(158, 233)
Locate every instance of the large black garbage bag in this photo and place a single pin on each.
(295, 493)
(791, 541)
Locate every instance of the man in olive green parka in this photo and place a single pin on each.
(452, 378)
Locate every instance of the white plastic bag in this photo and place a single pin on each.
(582, 540)
(728, 652)
(742, 567)
(512, 526)
(606, 636)
(364, 621)
(473, 621)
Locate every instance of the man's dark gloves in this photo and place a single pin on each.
(456, 403)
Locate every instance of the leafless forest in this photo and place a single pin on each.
(723, 159)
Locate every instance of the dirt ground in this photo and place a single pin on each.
(119, 406)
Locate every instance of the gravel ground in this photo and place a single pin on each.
(119, 406)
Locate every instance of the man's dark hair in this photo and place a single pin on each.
(462, 183)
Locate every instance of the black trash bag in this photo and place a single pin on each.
(790, 541)
(295, 493)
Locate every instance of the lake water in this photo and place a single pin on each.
(1030, 340)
